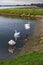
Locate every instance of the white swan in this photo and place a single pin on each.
(11, 42)
(16, 34)
(27, 26)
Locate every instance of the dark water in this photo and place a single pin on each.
(7, 29)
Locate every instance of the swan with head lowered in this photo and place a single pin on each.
(16, 34)
(11, 42)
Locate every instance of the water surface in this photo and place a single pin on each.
(7, 29)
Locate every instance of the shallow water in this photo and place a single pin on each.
(7, 29)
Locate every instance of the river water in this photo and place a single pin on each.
(7, 29)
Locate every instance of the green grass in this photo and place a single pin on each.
(34, 58)
(23, 11)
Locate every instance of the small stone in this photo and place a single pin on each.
(41, 38)
(25, 39)
(41, 35)
(41, 41)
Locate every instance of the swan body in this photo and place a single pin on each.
(27, 26)
(16, 34)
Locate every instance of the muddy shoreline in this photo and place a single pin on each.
(36, 42)
(22, 15)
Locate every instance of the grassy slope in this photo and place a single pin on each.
(23, 11)
(34, 58)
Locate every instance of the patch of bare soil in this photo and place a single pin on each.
(22, 15)
(32, 44)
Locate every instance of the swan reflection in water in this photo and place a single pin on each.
(11, 46)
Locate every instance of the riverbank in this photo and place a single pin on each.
(34, 58)
(23, 13)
